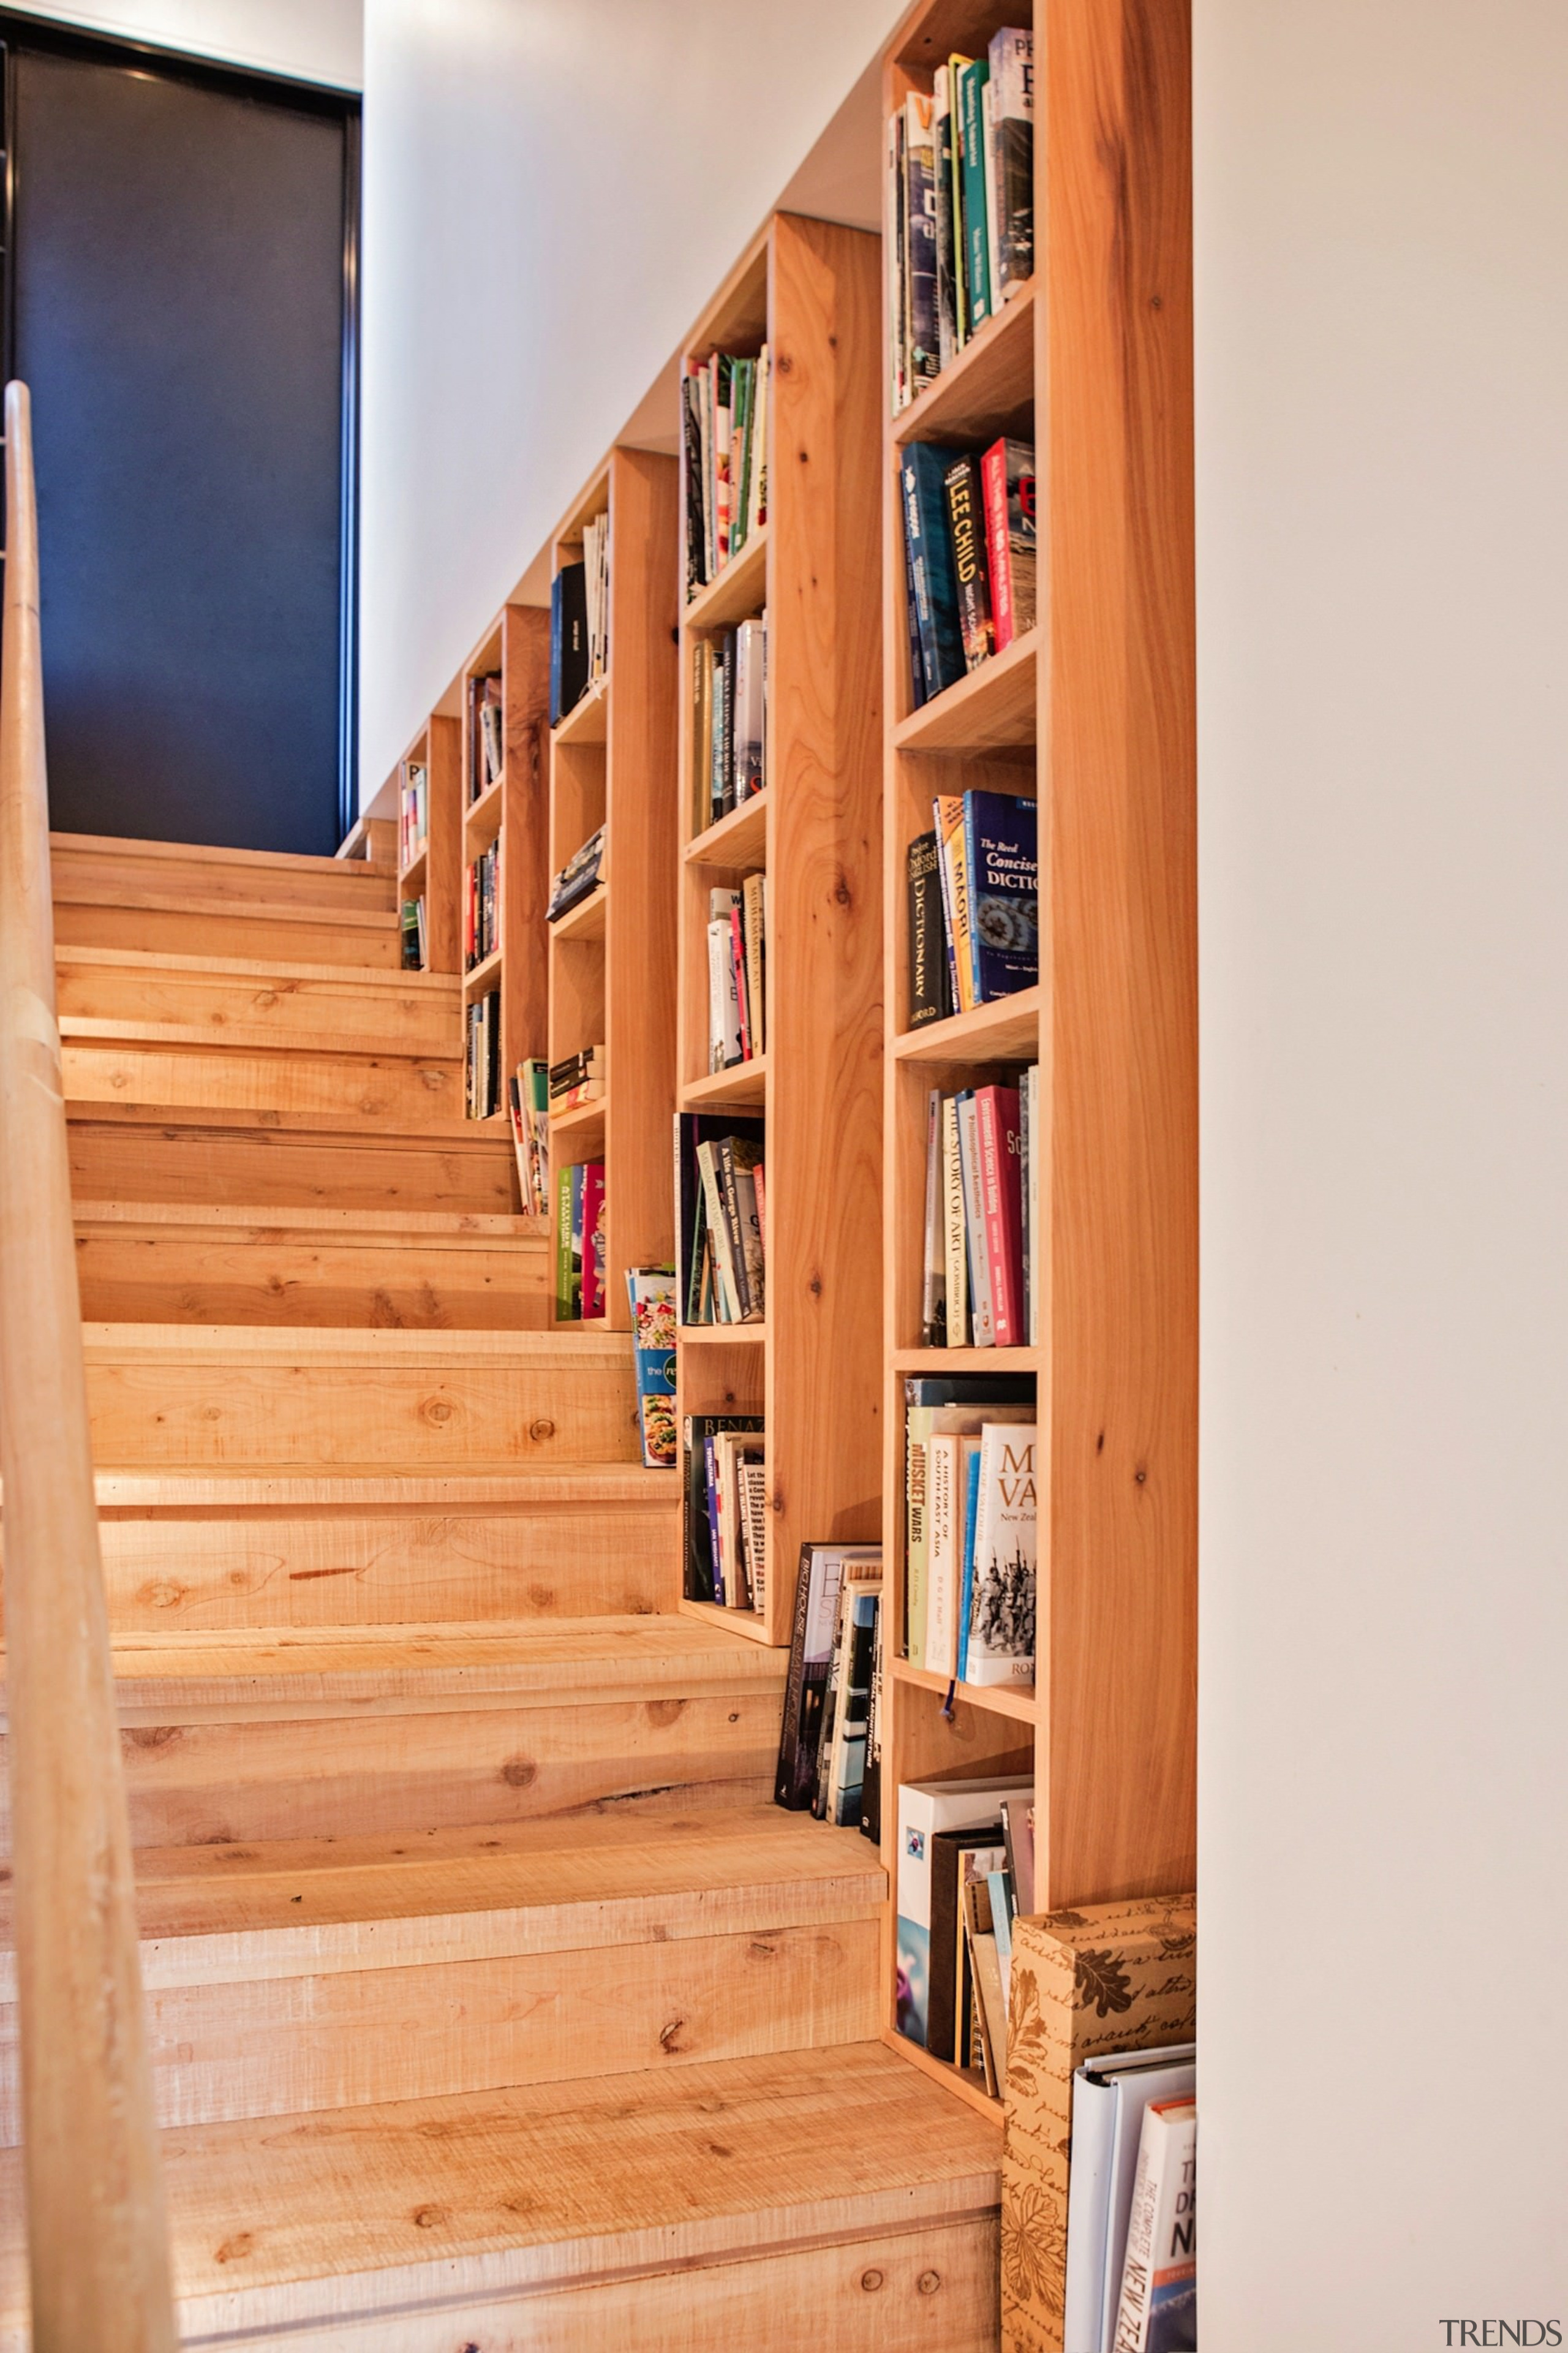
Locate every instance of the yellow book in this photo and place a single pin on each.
(954, 861)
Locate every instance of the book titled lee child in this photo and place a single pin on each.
(650, 1290)
(966, 528)
(924, 1809)
(1159, 2308)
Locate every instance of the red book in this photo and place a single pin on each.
(998, 545)
(1002, 1200)
(594, 1239)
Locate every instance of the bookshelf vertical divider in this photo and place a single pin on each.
(1092, 715)
(525, 796)
(611, 960)
(810, 291)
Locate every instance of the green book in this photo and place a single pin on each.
(565, 1309)
(970, 109)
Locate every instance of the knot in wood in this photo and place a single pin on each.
(928, 2282)
(436, 1410)
(541, 1430)
(871, 2280)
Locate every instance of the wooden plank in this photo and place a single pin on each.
(525, 884)
(180, 927)
(1114, 354)
(988, 389)
(107, 863)
(825, 993)
(444, 852)
(205, 1155)
(386, 1090)
(178, 1396)
(990, 708)
(205, 1266)
(228, 1565)
(257, 1002)
(640, 820)
(574, 2187)
(370, 837)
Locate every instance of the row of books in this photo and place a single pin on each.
(729, 719)
(651, 1293)
(971, 1519)
(581, 874)
(965, 1872)
(972, 887)
(486, 736)
(528, 1097)
(1131, 2238)
(581, 1239)
(481, 906)
(724, 1510)
(413, 932)
(577, 1078)
(970, 556)
(413, 812)
(737, 973)
(959, 207)
(481, 1058)
(981, 1217)
(724, 435)
(720, 1192)
(830, 1686)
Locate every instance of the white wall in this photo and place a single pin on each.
(1382, 502)
(552, 194)
(315, 40)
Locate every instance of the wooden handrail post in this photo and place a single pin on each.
(97, 2232)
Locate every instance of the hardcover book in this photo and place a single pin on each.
(1012, 188)
(1001, 1631)
(568, 640)
(929, 995)
(1007, 494)
(969, 103)
(650, 1290)
(924, 1809)
(818, 1585)
(1002, 895)
(966, 529)
(930, 555)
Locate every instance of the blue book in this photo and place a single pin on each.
(710, 1465)
(912, 621)
(1001, 859)
(930, 552)
(966, 1590)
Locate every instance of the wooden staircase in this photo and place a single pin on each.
(491, 2002)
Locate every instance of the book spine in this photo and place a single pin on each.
(920, 277)
(954, 1252)
(787, 1779)
(729, 1205)
(993, 249)
(936, 585)
(564, 1246)
(984, 1333)
(971, 1494)
(934, 1288)
(592, 1239)
(927, 955)
(918, 689)
(998, 546)
(941, 217)
(965, 530)
(1013, 179)
(942, 1581)
(971, 81)
(956, 904)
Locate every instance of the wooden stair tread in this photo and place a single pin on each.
(91, 891)
(355, 1345)
(264, 1486)
(118, 849)
(244, 1037)
(418, 1227)
(338, 1665)
(239, 1122)
(699, 1873)
(433, 2202)
(444, 988)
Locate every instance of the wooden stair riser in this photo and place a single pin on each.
(320, 1776)
(281, 935)
(118, 872)
(136, 1157)
(331, 1408)
(260, 1005)
(170, 1274)
(346, 1568)
(289, 2044)
(923, 2290)
(384, 1091)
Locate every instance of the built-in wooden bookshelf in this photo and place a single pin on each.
(809, 291)
(1091, 713)
(432, 872)
(612, 957)
(510, 808)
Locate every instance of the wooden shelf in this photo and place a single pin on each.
(988, 390)
(721, 1336)
(964, 2081)
(481, 819)
(582, 1119)
(738, 842)
(993, 708)
(938, 1361)
(998, 1699)
(734, 1621)
(411, 878)
(588, 920)
(1007, 1029)
(738, 592)
(744, 1085)
(588, 720)
(483, 979)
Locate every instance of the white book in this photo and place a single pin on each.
(723, 996)
(993, 241)
(1158, 2312)
(727, 1296)
(1001, 1647)
(1108, 2097)
(984, 1333)
(754, 1520)
(948, 1471)
(934, 1275)
(925, 1808)
(747, 732)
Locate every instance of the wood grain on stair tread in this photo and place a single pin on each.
(122, 871)
(382, 1090)
(241, 1000)
(179, 928)
(340, 2214)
